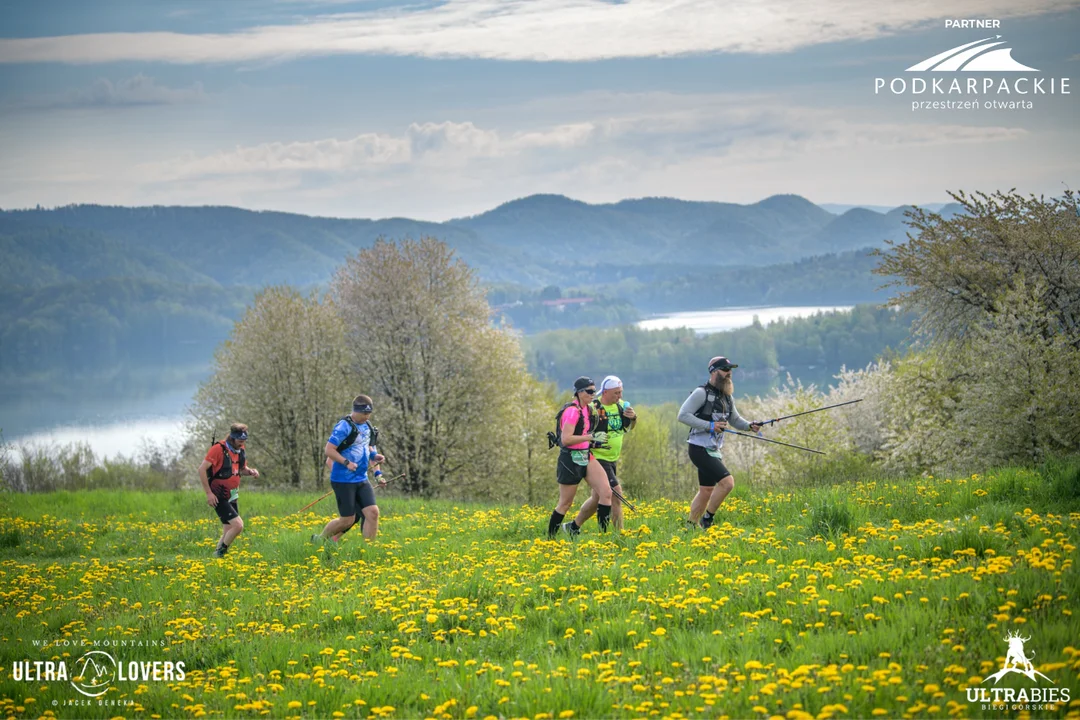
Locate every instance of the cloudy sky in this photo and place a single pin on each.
(443, 109)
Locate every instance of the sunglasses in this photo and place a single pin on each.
(590, 391)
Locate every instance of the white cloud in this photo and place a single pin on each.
(688, 126)
(445, 144)
(703, 147)
(537, 30)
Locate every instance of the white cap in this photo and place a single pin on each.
(610, 382)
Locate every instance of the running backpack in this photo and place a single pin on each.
(225, 471)
(555, 438)
(713, 397)
(354, 430)
(601, 416)
(715, 401)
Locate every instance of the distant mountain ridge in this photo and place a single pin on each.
(840, 209)
(93, 292)
(698, 232)
(533, 240)
(230, 245)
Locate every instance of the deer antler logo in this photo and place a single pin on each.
(1016, 660)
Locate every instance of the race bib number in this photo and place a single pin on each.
(580, 457)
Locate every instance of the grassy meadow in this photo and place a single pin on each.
(877, 598)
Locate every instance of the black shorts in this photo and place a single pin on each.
(352, 497)
(569, 472)
(226, 509)
(710, 470)
(609, 468)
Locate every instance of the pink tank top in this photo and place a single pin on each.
(569, 422)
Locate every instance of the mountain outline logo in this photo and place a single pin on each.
(977, 56)
(96, 672)
(1017, 661)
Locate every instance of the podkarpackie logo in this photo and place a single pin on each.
(96, 671)
(987, 77)
(973, 57)
(1033, 698)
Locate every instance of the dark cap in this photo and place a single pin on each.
(581, 383)
(720, 363)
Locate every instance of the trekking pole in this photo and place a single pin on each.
(312, 503)
(396, 477)
(807, 412)
(777, 442)
(623, 500)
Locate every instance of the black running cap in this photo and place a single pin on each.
(721, 363)
(581, 383)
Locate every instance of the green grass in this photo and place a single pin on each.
(828, 601)
(831, 516)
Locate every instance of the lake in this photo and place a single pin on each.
(721, 319)
(116, 425)
(112, 423)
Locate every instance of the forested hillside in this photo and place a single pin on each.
(534, 240)
(91, 288)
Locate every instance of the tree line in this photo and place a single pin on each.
(843, 278)
(672, 357)
(532, 310)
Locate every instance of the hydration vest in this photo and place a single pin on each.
(354, 431)
(713, 399)
(555, 438)
(602, 417)
(225, 471)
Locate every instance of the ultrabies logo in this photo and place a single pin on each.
(1017, 661)
(1013, 85)
(96, 671)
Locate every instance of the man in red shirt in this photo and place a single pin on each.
(220, 472)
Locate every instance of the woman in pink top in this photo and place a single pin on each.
(576, 462)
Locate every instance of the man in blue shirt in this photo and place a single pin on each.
(349, 448)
